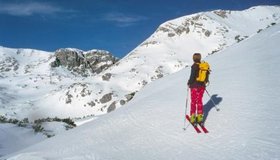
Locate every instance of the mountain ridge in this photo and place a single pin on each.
(65, 93)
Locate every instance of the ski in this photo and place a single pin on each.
(203, 128)
(194, 126)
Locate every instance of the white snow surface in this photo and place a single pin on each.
(14, 138)
(244, 84)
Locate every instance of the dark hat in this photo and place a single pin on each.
(196, 57)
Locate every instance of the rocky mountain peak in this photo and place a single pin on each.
(84, 62)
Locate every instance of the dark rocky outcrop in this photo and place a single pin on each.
(106, 98)
(111, 107)
(106, 77)
(93, 61)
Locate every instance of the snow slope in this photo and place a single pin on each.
(14, 138)
(244, 84)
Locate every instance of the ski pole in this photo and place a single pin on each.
(215, 105)
(186, 108)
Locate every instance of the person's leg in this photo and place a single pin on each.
(200, 92)
(193, 104)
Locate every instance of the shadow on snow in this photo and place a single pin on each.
(209, 105)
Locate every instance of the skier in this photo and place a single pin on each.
(197, 83)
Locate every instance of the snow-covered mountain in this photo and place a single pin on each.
(31, 88)
(244, 86)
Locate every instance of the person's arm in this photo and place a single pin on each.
(193, 75)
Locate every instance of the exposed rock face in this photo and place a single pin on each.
(222, 13)
(188, 26)
(106, 98)
(93, 61)
(130, 96)
(106, 77)
(9, 63)
(111, 107)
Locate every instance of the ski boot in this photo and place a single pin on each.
(200, 119)
(193, 119)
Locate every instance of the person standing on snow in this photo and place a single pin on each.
(197, 86)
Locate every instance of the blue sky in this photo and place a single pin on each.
(114, 25)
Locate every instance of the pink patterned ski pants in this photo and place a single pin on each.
(196, 100)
